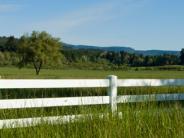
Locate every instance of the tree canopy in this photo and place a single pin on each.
(38, 48)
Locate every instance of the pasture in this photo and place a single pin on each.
(15, 73)
(148, 119)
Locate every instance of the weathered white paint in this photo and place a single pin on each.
(53, 102)
(150, 97)
(93, 100)
(112, 83)
(85, 83)
(112, 92)
(60, 83)
(150, 82)
(27, 122)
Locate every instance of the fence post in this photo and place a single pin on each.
(112, 92)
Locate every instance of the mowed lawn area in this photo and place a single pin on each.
(26, 73)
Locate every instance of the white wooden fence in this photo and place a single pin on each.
(112, 83)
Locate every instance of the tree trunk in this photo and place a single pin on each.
(37, 67)
(37, 72)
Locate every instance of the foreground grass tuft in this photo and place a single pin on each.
(138, 120)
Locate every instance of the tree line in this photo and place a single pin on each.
(40, 49)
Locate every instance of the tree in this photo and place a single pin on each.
(124, 57)
(38, 48)
(148, 61)
(1, 58)
(11, 44)
(182, 56)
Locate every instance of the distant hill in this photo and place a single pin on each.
(119, 48)
(4, 39)
(157, 52)
(112, 48)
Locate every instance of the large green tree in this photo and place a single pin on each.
(39, 48)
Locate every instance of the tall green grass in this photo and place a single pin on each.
(138, 120)
(149, 119)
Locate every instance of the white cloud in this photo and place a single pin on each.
(66, 22)
(95, 13)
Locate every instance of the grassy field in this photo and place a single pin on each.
(13, 73)
(151, 119)
(138, 120)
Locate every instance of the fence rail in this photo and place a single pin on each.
(112, 83)
(51, 83)
(53, 102)
(84, 83)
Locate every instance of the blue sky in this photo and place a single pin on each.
(140, 24)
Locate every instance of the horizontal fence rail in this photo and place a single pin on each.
(26, 122)
(92, 100)
(149, 82)
(149, 98)
(65, 83)
(53, 102)
(112, 83)
(85, 83)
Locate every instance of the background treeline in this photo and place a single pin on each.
(90, 59)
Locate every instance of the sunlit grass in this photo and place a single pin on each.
(138, 120)
(149, 119)
(15, 73)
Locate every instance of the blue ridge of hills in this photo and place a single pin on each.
(121, 48)
(66, 46)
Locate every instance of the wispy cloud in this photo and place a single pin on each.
(9, 8)
(95, 13)
(99, 13)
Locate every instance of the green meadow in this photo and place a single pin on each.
(25, 73)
